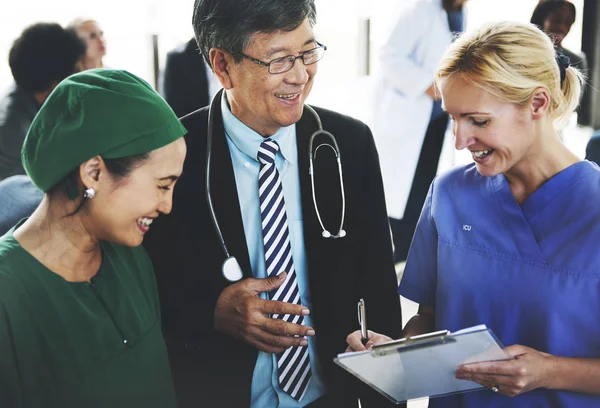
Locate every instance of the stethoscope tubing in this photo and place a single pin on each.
(211, 209)
(231, 269)
(326, 234)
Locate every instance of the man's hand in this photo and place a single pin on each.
(241, 313)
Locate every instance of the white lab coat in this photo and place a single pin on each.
(409, 59)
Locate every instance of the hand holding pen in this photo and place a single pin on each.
(363, 339)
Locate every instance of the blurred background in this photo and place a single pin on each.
(139, 33)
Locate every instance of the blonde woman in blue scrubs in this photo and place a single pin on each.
(511, 240)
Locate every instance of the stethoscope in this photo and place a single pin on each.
(231, 268)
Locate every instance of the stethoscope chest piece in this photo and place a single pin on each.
(231, 270)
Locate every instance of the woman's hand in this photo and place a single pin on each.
(528, 371)
(355, 343)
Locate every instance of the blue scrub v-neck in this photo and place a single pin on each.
(530, 272)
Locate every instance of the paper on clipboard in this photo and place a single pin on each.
(423, 366)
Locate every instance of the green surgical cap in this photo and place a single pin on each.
(104, 112)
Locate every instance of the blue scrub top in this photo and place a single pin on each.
(530, 272)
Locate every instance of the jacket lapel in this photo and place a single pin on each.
(224, 193)
(322, 254)
(326, 176)
(304, 129)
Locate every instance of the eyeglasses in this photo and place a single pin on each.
(284, 64)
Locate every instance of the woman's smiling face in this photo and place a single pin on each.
(498, 134)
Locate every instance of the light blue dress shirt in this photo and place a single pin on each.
(243, 145)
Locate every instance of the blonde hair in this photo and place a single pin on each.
(510, 60)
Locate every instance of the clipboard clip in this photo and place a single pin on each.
(413, 342)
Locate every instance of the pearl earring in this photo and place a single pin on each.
(89, 193)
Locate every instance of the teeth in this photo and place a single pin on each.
(481, 153)
(145, 221)
(287, 96)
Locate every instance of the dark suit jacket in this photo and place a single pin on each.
(211, 367)
(185, 86)
(584, 111)
(19, 198)
(592, 151)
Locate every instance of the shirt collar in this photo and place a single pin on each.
(248, 141)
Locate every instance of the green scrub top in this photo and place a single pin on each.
(66, 344)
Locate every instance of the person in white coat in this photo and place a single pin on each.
(408, 122)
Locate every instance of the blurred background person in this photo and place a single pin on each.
(91, 33)
(19, 197)
(79, 309)
(188, 82)
(555, 18)
(409, 124)
(42, 56)
(592, 151)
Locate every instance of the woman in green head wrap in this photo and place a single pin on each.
(79, 312)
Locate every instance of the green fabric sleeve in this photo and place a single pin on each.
(11, 390)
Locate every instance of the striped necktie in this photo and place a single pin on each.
(293, 365)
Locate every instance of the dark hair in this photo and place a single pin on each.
(44, 53)
(228, 24)
(118, 169)
(448, 5)
(547, 7)
(121, 167)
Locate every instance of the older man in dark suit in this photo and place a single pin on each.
(269, 339)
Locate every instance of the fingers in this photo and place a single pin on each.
(500, 387)
(276, 308)
(354, 342)
(267, 284)
(267, 348)
(272, 307)
(490, 367)
(282, 341)
(273, 343)
(280, 327)
(244, 315)
(482, 378)
(276, 327)
(506, 384)
(376, 338)
(277, 344)
(517, 350)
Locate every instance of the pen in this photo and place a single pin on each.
(362, 321)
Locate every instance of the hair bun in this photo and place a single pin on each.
(563, 62)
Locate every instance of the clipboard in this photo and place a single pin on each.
(425, 365)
